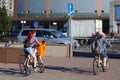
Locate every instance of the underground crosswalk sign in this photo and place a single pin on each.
(35, 24)
(70, 9)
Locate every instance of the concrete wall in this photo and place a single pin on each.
(57, 51)
(12, 54)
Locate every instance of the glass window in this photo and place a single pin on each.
(25, 33)
(39, 33)
(48, 34)
(117, 12)
(59, 34)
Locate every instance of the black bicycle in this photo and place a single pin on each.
(26, 66)
(98, 64)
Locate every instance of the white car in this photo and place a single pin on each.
(49, 35)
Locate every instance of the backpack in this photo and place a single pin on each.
(26, 43)
(96, 46)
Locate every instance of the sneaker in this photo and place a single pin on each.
(24, 72)
(36, 69)
(105, 68)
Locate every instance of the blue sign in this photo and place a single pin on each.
(70, 9)
(35, 24)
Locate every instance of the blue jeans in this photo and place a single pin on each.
(103, 54)
(29, 50)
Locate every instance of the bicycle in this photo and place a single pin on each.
(98, 64)
(26, 66)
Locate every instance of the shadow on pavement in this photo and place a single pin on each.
(9, 71)
(77, 70)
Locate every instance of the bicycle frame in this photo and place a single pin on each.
(26, 66)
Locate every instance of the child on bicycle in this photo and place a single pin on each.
(29, 43)
(101, 40)
(9, 42)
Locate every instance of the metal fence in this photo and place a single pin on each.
(115, 47)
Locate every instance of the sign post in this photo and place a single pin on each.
(70, 13)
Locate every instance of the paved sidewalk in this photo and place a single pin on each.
(59, 68)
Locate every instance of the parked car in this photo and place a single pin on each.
(49, 35)
(7, 37)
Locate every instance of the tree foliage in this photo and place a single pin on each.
(5, 21)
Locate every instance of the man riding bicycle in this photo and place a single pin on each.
(29, 43)
(100, 47)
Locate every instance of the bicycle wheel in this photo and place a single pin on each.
(40, 64)
(27, 69)
(97, 66)
(21, 64)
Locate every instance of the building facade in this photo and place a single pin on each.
(48, 11)
(9, 4)
(115, 16)
(60, 6)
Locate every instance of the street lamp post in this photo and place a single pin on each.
(23, 22)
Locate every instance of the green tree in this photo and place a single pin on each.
(5, 21)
